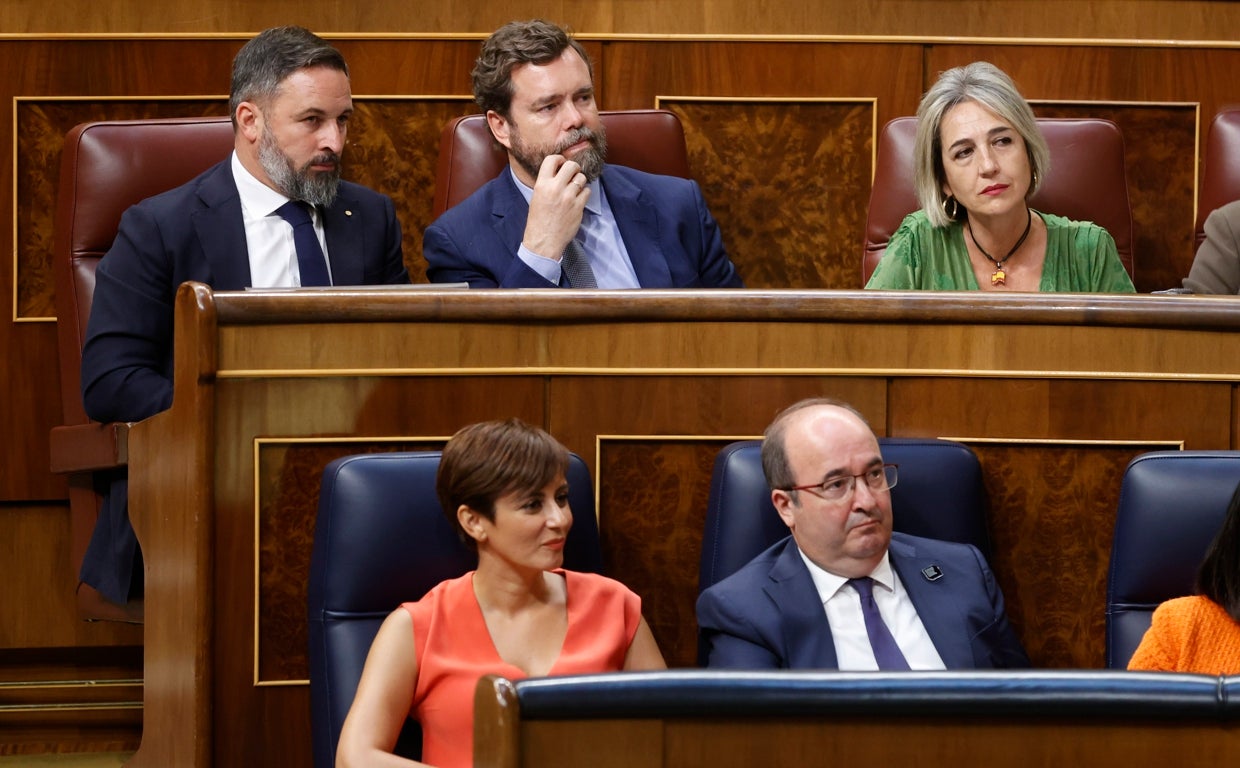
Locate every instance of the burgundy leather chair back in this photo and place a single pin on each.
(1087, 181)
(1220, 173)
(651, 140)
(105, 168)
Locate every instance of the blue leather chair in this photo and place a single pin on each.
(1171, 505)
(939, 495)
(380, 540)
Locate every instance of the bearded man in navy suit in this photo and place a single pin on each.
(290, 103)
(800, 604)
(634, 229)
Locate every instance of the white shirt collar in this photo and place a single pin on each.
(828, 583)
(257, 199)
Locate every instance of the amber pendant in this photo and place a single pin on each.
(998, 278)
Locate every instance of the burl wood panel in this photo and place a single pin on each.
(41, 127)
(288, 486)
(1052, 512)
(1053, 483)
(1159, 142)
(394, 148)
(651, 516)
(789, 183)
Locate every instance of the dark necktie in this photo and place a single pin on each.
(886, 652)
(310, 260)
(576, 266)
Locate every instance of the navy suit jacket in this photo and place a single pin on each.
(768, 614)
(192, 232)
(672, 239)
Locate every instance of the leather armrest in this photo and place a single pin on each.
(89, 447)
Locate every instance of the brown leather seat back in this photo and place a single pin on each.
(651, 140)
(1087, 181)
(105, 168)
(1220, 172)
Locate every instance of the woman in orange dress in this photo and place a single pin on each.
(1201, 633)
(503, 486)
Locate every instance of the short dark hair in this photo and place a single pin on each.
(774, 452)
(517, 42)
(1219, 575)
(262, 63)
(484, 461)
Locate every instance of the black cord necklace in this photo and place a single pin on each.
(1000, 277)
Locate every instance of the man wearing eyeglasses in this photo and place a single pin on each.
(844, 591)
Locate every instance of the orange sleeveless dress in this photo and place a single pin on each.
(454, 650)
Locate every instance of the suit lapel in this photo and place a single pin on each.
(508, 211)
(940, 614)
(221, 230)
(806, 632)
(638, 223)
(345, 241)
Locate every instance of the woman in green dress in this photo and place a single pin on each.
(978, 157)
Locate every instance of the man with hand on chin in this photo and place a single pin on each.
(559, 215)
(273, 214)
(843, 591)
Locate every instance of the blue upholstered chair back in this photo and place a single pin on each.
(1171, 505)
(939, 495)
(380, 540)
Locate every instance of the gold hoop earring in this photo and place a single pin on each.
(955, 207)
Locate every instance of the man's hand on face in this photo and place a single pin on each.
(560, 195)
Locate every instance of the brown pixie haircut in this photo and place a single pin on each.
(484, 461)
(517, 42)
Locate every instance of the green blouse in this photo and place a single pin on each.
(1080, 258)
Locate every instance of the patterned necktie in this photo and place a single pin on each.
(886, 652)
(310, 260)
(576, 266)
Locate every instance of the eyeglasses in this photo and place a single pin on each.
(840, 487)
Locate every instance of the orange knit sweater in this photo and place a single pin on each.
(1190, 634)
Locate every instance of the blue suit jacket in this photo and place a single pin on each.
(670, 235)
(768, 615)
(193, 232)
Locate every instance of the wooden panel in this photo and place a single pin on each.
(772, 158)
(39, 605)
(1157, 19)
(40, 129)
(646, 385)
(289, 476)
(1053, 464)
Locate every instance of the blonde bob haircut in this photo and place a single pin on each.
(989, 86)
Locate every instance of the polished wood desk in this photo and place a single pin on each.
(711, 719)
(1055, 393)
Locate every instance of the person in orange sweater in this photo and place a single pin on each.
(1201, 633)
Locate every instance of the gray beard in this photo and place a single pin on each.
(592, 160)
(318, 188)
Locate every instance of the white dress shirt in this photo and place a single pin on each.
(268, 237)
(843, 608)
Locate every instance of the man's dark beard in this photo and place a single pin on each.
(317, 188)
(592, 159)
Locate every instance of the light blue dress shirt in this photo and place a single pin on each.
(599, 237)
